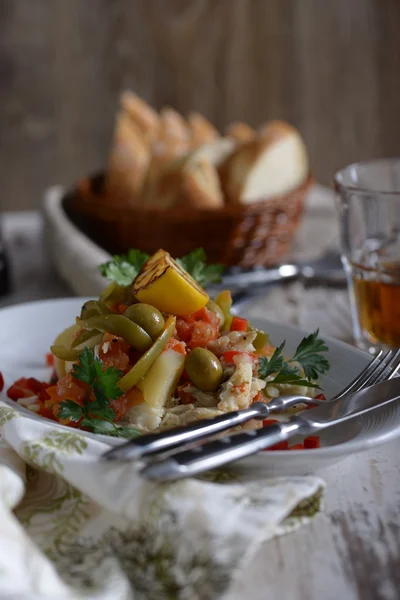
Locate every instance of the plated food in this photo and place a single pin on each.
(154, 351)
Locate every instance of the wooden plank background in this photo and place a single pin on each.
(331, 67)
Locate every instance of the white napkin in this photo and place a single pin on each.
(73, 526)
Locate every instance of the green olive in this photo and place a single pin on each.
(147, 317)
(139, 369)
(204, 369)
(217, 310)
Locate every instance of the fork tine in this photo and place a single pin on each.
(378, 371)
(391, 368)
(358, 382)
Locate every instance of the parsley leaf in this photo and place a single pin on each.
(96, 414)
(107, 428)
(293, 379)
(308, 355)
(273, 365)
(195, 264)
(70, 410)
(124, 268)
(125, 431)
(109, 381)
(85, 370)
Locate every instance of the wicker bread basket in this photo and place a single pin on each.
(235, 235)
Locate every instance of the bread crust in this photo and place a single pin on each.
(202, 131)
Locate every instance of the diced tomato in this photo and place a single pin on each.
(1, 382)
(46, 412)
(297, 447)
(184, 329)
(229, 355)
(201, 315)
(24, 388)
(177, 346)
(320, 397)
(202, 334)
(239, 324)
(70, 388)
(121, 405)
(184, 396)
(53, 397)
(266, 350)
(280, 446)
(312, 441)
(269, 422)
(67, 388)
(49, 359)
(114, 352)
(198, 329)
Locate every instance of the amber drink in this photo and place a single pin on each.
(369, 205)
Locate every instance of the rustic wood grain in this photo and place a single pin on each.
(328, 67)
(352, 551)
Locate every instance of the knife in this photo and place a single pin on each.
(247, 283)
(216, 453)
(328, 267)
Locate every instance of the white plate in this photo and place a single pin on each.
(27, 330)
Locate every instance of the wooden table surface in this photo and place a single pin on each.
(350, 552)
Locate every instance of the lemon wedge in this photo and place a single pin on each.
(165, 285)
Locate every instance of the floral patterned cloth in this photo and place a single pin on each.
(74, 527)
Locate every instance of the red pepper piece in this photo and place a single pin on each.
(269, 422)
(312, 441)
(239, 324)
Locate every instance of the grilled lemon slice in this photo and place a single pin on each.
(165, 285)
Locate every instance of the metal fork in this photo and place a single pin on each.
(379, 369)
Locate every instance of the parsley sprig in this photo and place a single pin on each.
(195, 264)
(96, 415)
(308, 355)
(123, 269)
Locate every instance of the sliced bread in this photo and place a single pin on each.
(202, 131)
(272, 164)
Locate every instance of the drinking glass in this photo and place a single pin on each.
(369, 206)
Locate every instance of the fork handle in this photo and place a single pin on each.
(153, 443)
(219, 452)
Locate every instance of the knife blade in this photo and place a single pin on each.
(216, 453)
(327, 268)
